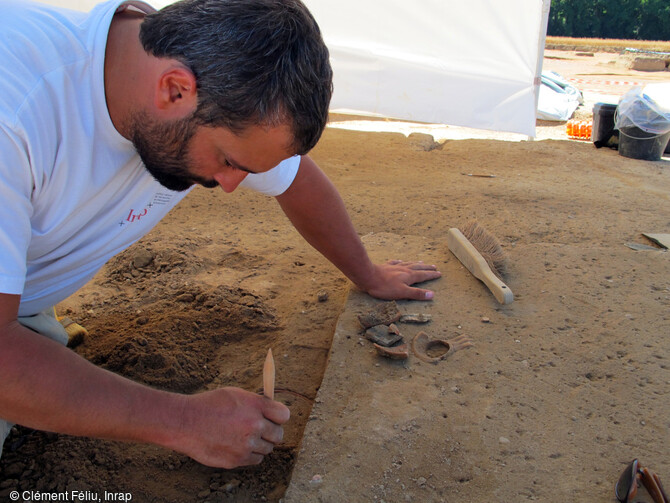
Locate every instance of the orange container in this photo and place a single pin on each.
(579, 130)
(582, 129)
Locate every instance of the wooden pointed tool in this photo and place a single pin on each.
(269, 376)
(662, 240)
(470, 257)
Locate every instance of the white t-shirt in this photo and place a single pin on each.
(73, 191)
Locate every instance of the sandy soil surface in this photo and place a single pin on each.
(197, 303)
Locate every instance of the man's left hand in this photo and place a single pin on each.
(393, 280)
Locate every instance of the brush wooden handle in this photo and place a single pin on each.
(269, 376)
(476, 264)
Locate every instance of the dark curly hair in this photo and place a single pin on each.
(256, 62)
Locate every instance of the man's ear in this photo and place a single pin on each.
(176, 93)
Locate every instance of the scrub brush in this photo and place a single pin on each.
(480, 252)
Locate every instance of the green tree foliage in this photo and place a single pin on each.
(625, 19)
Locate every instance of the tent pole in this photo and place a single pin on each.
(544, 22)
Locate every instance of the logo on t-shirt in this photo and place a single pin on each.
(159, 199)
(132, 216)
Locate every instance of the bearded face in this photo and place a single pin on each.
(164, 150)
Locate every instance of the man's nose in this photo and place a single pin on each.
(230, 179)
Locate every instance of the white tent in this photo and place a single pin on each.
(475, 64)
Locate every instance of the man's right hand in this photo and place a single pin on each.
(49, 387)
(229, 427)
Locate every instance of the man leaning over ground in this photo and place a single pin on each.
(117, 113)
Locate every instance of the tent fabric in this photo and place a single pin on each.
(474, 64)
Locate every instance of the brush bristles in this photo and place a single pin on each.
(488, 246)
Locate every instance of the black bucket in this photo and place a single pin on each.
(638, 144)
(603, 133)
